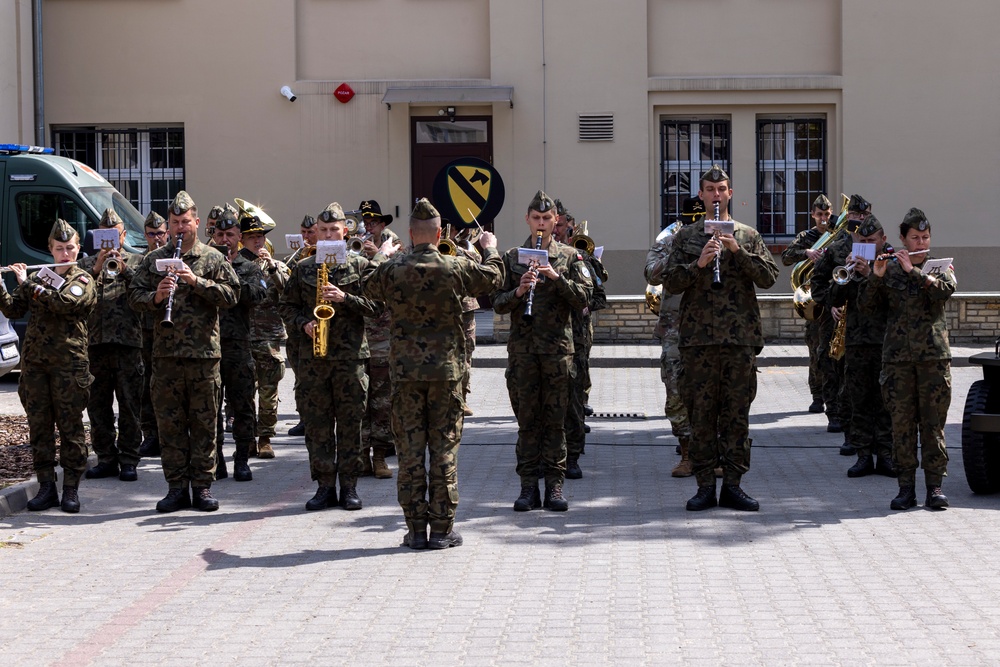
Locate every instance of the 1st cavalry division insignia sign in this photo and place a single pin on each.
(468, 189)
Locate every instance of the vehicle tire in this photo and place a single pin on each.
(981, 451)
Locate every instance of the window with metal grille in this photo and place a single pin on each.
(145, 164)
(596, 126)
(791, 173)
(689, 148)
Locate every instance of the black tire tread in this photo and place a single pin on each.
(980, 451)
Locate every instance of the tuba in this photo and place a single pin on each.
(323, 312)
(802, 299)
(246, 209)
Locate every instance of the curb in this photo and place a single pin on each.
(14, 498)
(654, 362)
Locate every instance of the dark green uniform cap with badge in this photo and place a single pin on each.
(858, 204)
(332, 213)
(424, 210)
(154, 220)
(215, 213)
(869, 226)
(541, 203)
(716, 174)
(62, 231)
(110, 219)
(308, 222)
(560, 209)
(914, 219)
(182, 203)
(822, 203)
(227, 221)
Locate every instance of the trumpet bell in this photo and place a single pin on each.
(583, 242)
(654, 296)
(803, 303)
(356, 245)
(447, 247)
(842, 275)
(112, 267)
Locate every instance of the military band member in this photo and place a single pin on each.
(470, 304)
(292, 344)
(55, 372)
(236, 367)
(916, 359)
(213, 216)
(186, 355)
(331, 389)
(115, 352)
(156, 237)
(540, 353)
(801, 250)
(424, 289)
(376, 227)
(720, 336)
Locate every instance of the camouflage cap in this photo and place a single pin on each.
(227, 221)
(333, 213)
(858, 204)
(822, 203)
(215, 213)
(110, 219)
(308, 222)
(541, 203)
(560, 209)
(424, 210)
(716, 174)
(154, 220)
(182, 203)
(914, 219)
(62, 231)
(869, 226)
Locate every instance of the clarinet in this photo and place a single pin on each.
(527, 316)
(716, 279)
(167, 322)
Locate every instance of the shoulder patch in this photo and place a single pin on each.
(83, 278)
(76, 290)
(579, 256)
(584, 271)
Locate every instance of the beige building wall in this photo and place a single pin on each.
(906, 88)
(17, 106)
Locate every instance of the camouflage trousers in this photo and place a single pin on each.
(670, 371)
(469, 327)
(187, 404)
(576, 437)
(56, 397)
(831, 374)
(871, 426)
(538, 385)
(292, 352)
(815, 375)
(376, 428)
(427, 419)
(147, 416)
(269, 369)
(118, 373)
(718, 383)
(237, 372)
(918, 395)
(331, 394)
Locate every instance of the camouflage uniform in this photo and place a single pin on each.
(424, 291)
(838, 404)
(55, 373)
(115, 337)
(376, 428)
(793, 254)
(540, 358)
(583, 340)
(293, 341)
(186, 378)
(331, 391)
(266, 335)
(916, 366)
(470, 305)
(720, 335)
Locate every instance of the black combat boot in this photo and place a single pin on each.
(554, 499)
(703, 500)
(816, 406)
(128, 473)
(349, 498)
(203, 499)
(530, 499)
(573, 470)
(735, 498)
(847, 449)
(241, 465)
(70, 500)
(326, 496)
(220, 464)
(176, 499)
(444, 540)
(416, 537)
(102, 470)
(150, 448)
(935, 498)
(864, 466)
(906, 498)
(885, 467)
(298, 429)
(46, 497)
(834, 426)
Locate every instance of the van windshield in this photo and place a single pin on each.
(103, 198)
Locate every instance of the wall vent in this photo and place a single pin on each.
(596, 126)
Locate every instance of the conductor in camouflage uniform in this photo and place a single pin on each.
(916, 359)
(55, 374)
(236, 369)
(186, 355)
(294, 341)
(540, 352)
(115, 352)
(424, 290)
(720, 336)
(331, 390)
(156, 237)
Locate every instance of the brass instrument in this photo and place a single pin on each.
(838, 343)
(446, 246)
(654, 293)
(802, 299)
(254, 211)
(356, 244)
(843, 274)
(581, 241)
(323, 312)
(112, 267)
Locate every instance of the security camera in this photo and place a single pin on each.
(287, 92)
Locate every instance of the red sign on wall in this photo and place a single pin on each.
(344, 93)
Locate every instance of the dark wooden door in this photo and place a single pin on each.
(436, 141)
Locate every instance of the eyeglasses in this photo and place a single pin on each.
(156, 235)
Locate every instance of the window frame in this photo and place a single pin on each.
(691, 168)
(789, 166)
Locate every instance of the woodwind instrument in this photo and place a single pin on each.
(528, 316)
(716, 278)
(323, 312)
(39, 266)
(167, 322)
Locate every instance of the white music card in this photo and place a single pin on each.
(293, 241)
(169, 265)
(107, 239)
(529, 256)
(598, 251)
(49, 277)
(331, 252)
(720, 226)
(865, 251)
(934, 267)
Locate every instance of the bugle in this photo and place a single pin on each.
(167, 322)
(528, 316)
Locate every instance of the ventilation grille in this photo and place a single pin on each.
(597, 126)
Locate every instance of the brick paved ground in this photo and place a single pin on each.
(824, 574)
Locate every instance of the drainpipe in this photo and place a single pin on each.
(39, 92)
(545, 136)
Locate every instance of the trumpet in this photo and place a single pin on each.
(446, 246)
(843, 274)
(112, 267)
(356, 244)
(323, 312)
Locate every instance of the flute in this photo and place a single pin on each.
(167, 322)
(716, 279)
(39, 266)
(892, 255)
(527, 316)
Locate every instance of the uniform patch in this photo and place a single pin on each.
(76, 290)
(584, 271)
(83, 279)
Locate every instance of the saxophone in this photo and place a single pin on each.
(323, 312)
(838, 343)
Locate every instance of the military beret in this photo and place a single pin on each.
(182, 203)
(560, 209)
(215, 213)
(333, 213)
(110, 219)
(61, 231)
(715, 174)
(822, 203)
(541, 203)
(424, 210)
(370, 209)
(308, 222)
(154, 220)
(869, 226)
(914, 219)
(858, 204)
(226, 221)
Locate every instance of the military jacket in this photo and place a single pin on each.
(916, 329)
(796, 250)
(727, 316)
(112, 320)
(423, 291)
(469, 303)
(863, 327)
(234, 323)
(670, 304)
(56, 334)
(583, 333)
(821, 282)
(195, 334)
(346, 330)
(265, 320)
(551, 330)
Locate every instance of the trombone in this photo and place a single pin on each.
(581, 241)
(446, 246)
